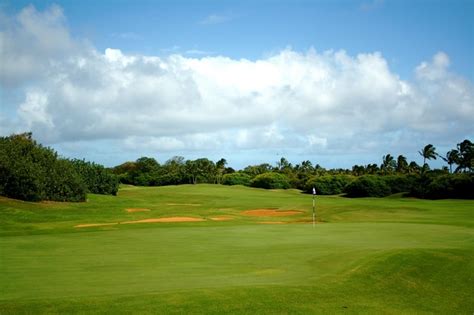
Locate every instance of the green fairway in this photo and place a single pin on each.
(388, 255)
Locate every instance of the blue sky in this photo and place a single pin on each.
(416, 55)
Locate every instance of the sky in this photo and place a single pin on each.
(338, 83)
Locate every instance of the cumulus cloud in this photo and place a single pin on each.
(32, 43)
(311, 101)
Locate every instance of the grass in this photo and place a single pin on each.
(388, 255)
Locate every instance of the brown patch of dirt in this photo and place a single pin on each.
(94, 224)
(272, 222)
(184, 204)
(270, 213)
(222, 218)
(130, 210)
(170, 219)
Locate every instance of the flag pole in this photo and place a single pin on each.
(314, 212)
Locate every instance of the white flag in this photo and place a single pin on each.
(314, 191)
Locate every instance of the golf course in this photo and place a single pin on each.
(214, 249)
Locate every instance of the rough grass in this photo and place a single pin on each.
(390, 255)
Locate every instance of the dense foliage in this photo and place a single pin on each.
(270, 181)
(444, 186)
(368, 186)
(29, 171)
(146, 171)
(237, 178)
(97, 178)
(328, 184)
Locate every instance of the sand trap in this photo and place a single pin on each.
(130, 210)
(170, 219)
(94, 224)
(272, 222)
(270, 213)
(222, 218)
(184, 204)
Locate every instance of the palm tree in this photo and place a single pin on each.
(452, 157)
(428, 153)
(402, 164)
(466, 156)
(413, 167)
(388, 163)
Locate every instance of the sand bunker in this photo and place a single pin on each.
(94, 224)
(156, 220)
(170, 219)
(222, 218)
(272, 222)
(130, 210)
(270, 213)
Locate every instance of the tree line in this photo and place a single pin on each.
(29, 171)
(32, 172)
(391, 176)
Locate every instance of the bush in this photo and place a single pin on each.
(368, 186)
(328, 184)
(63, 183)
(32, 172)
(97, 178)
(271, 181)
(236, 179)
(456, 186)
(400, 183)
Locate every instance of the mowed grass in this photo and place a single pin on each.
(390, 255)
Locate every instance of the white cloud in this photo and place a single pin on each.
(32, 43)
(327, 102)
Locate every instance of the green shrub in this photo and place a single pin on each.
(456, 186)
(236, 179)
(368, 186)
(97, 178)
(400, 183)
(271, 181)
(328, 184)
(63, 183)
(32, 172)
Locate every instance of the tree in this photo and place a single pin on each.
(283, 164)
(372, 169)
(358, 170)
(32, 172)
(220, 170)
(388, 164)
(413, 167)
(97, 178)
(466, 156)
(307, 167)
(145, 172)
(271, 180)
(452, 157)
(428, 153)
(173, 172)
(254, 170)
(201, 170)
(402, 164)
